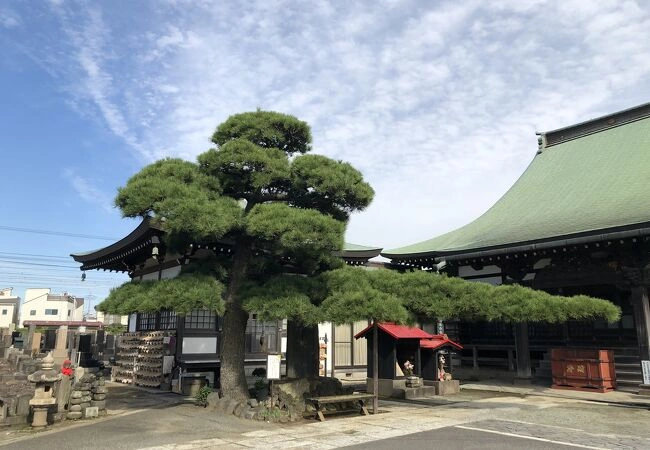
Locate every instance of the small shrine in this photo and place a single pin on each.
(435, 355)
(404, 363)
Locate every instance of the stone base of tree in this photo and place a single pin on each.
(285, 403)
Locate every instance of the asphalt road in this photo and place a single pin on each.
(154, 420)
(462, 438)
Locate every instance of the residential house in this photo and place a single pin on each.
(9, 307)
(41, 305)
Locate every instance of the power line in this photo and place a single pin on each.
(56, 233)
(21, 255)
(37, 264)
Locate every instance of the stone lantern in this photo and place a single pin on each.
(43, 395)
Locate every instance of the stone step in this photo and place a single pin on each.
(627, 360)
(628, 366)
(628, 374)
(419, 392)
(625, 388)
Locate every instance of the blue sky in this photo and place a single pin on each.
(437, 103)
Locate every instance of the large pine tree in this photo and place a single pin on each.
(280, 208)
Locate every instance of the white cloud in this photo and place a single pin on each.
(437, 103)
(88, 191)
(9, 19)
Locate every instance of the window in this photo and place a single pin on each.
(51, 312)
(167, 320)
(201, 318)
(68, 313)
(146, 321)
(4, 312)
(261, 336)
(350, 352)
(32, 312)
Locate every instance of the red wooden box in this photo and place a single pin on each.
(583, 369)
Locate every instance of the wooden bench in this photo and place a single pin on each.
(359, 401)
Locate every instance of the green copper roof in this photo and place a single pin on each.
(589, 178)
(347, 247)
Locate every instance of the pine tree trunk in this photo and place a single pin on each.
(233, 377)
(302, 350)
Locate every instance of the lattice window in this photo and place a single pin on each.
(146, 321)
(167, 320)
(201, 319)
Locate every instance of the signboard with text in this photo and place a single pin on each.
(273, 366)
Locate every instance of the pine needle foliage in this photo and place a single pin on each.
(388, 295)
(182, 294)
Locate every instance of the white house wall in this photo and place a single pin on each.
(36, 302)
(7, 312)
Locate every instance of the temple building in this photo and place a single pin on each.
(577, 221)
(191, 343)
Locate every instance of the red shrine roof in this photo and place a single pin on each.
(397, 331)
(437, 341)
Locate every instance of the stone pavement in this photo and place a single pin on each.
(395, 419)
(613, 397)
(488, 407)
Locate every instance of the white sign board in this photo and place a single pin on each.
(645, 367)
(273, 367)
(199, 345)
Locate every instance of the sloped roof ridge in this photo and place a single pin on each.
(596, 125)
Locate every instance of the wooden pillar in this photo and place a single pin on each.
(524, 371)
(641, 308)
(474, 358)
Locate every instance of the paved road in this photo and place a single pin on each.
(155, 427)
(150, 420)
(457, 438)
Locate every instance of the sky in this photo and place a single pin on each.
(436, 103)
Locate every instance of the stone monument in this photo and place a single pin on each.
(43, 395)
(61, 345)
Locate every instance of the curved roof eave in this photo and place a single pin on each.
(358, 251)
(137, 234)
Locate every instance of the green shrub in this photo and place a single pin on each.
(201, 396)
